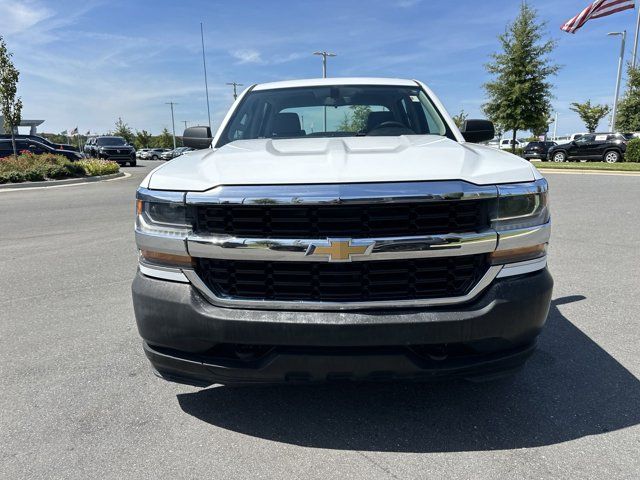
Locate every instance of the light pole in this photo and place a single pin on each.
(618, 80)
(555, 128)
(173, 123)
(235, 85)
(324, 56)
(635, 42)
(206, 85)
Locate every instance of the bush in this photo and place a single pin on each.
(633, 151)
(34, 175)
(15, 177)
(33, 168)
(94, 167)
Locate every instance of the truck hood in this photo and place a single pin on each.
(340, 160)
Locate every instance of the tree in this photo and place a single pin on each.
(460, 118)
(590, 114)
(520, 93)
(11, 106)
(143, 139)
(628, 114)
(123, 130)
(165, 139)
(357, 121)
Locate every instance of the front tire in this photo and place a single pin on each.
(133, 164)
(155, 157)
(559, 157)
(612, 157)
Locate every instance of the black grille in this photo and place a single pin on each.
(343, 282)
(354, 221)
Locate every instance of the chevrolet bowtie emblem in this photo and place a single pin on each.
(340, 250)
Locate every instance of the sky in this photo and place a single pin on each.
(86, 63)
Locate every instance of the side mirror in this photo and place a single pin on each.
(476, 131)
(197, 137)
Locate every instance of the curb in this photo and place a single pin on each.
(577, 171)
(58, 183)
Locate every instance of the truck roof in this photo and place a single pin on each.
(318, 82)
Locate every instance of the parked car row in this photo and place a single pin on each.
(161, 153)
(175, 153)
(34, 146)
(111, 148)
(39, 139)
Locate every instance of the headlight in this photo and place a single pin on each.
(522, 205)
(162, 213)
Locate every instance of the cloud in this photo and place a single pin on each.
(247, 56)
(18, 17)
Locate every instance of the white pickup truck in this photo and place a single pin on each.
(341, 229)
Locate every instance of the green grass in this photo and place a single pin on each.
(615, 167)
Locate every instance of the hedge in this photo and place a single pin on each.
(28, 167)
(633, 151)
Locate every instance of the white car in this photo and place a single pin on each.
(506, 144)
(341, 229)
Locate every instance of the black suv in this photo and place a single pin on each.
(33, 146)
(537, 150)
(111, 148)
(606, 147)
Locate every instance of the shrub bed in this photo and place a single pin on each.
(633, 151)
(28, 167)
(94, 166)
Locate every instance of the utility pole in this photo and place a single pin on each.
(173, 123)
(324, 54)
(235, 85)
(619, 79)
(185, 123)
(206, 85)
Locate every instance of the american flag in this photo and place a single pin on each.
(599, 8)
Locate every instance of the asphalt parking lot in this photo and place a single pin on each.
(78, 399)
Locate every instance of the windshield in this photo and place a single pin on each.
(335, 111)
(110, 141)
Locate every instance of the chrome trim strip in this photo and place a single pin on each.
(528, 188)
(524, 237)
(291, 250)
(161, 243)
(164, 273)
(520, 268)
(159, 195)
(197, 282)
(351, 193)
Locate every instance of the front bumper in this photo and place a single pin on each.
(189, 340)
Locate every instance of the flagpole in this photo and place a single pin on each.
(635, 43)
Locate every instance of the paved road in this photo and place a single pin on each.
(78, 400)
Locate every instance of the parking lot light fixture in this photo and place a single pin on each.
(324, 56)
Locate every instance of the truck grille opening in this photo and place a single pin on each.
(343, 282)
(354, 221)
